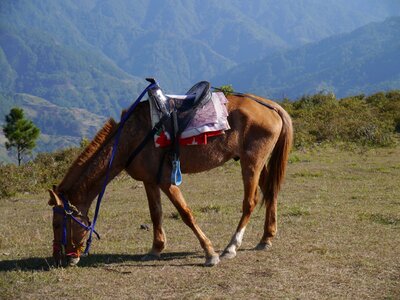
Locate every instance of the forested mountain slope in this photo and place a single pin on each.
(363, 61)
(92, 55)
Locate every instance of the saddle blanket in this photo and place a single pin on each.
(209, 120)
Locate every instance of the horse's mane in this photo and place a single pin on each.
(97, 142)
(95, 145)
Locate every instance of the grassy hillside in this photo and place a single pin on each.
(55, 120)
(60, 127)
(361, 120)
(359, 123)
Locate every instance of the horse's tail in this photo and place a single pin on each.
(276, 167)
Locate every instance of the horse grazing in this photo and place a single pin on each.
(258, 134)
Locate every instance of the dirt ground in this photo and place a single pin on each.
(338, 238)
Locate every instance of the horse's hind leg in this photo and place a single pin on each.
(271, 205)
(176, 197)
(250, 174)
(159, 239)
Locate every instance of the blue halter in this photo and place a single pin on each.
(67, 212)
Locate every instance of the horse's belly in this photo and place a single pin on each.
(201, 158)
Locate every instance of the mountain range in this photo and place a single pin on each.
(72, 63)
(363, 61)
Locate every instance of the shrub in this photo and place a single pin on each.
(371, 121)
(366, 121)
(226, 89)
(38, 175)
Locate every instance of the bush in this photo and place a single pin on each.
(38, 175)
(367, 121)
(8, 180)
(372, 121)
(226, 89)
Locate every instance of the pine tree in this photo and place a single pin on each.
(20, 132)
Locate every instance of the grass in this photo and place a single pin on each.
(387, 219)
(339, 237)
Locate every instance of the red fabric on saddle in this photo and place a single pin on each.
(163, 141)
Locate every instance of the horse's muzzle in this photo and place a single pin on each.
(65, 260)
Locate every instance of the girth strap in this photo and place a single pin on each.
(149, 135)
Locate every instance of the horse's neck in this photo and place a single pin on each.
(87, 174)
(90, 182)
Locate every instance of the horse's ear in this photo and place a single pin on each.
(54, 199)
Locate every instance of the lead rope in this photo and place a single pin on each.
(124, 118)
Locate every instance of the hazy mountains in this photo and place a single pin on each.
(58, 58)
(363, 61)
(181, 41)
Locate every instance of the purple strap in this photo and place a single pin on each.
(66, 211)
(114, 151)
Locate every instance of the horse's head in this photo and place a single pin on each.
(70, 228)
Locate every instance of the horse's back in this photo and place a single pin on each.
(254, 113)
(253, 128)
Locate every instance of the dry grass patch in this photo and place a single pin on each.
(338, 237)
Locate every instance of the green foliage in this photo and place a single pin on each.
(295, 211)
(67, 76)
(384, 219)
(226, 89)
(20, 132)
(35, 176)
(364, 121)
(84, 142)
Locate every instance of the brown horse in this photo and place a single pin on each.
(257, 133)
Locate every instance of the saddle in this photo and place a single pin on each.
(178, 111)
(184, 106)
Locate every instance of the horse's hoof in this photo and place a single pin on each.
(263, 246)
(228, 254)
(212, 261)
(150, 257)
(73, 261)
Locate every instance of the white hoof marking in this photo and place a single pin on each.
(212, 261)
(236, 241)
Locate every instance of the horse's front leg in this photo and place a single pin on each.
(176, 197)
(159, 238)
